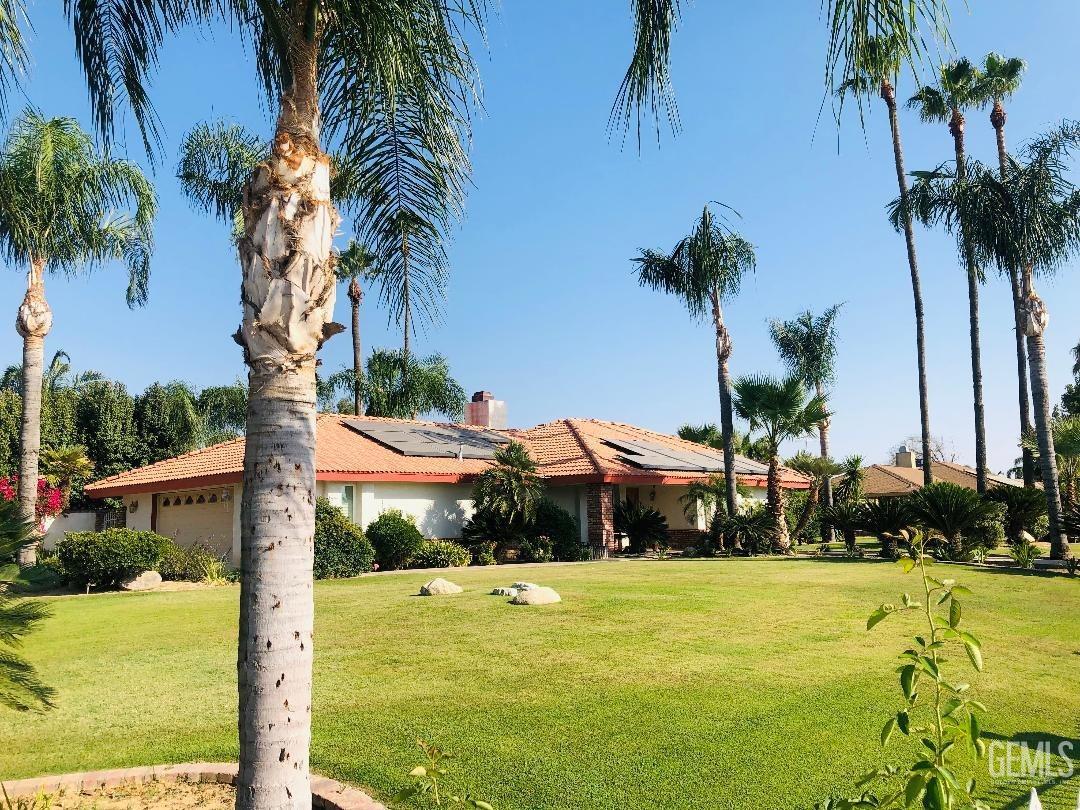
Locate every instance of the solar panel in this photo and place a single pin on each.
(656, 456)
(431, 441)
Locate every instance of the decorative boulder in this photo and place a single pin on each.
(524, 586)
(536, 596)
(505, 591)
(146, 581)
(439, 587)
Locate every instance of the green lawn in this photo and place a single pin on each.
(678, 684)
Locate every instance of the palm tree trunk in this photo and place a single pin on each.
(1035, 321)
(997, 119)
(288, 299)
(723, 380)
(782, 540)
(813, 496)
(32, 323)
(356, 295)
(956, 128)
(889, 95)
(827, 533)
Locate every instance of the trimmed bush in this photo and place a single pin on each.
(536, 549)
(562, 529)
(341, 549)
(196, 564)
(108, 558)
(395, 538)
(442, 554)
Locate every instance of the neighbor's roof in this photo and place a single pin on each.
(884, 480)
(567, 450)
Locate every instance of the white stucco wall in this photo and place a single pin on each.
(439, 509)
(572, 499)
(71, 522)
(144, 506)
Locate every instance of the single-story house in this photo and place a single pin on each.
(905, 476)
(366, 465)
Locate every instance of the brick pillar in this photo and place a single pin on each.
(600, 514)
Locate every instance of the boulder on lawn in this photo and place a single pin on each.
(500, 591)
(439, 587)
(146, 581)
(536, 596)
(524, 586)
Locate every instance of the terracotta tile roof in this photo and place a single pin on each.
(885, 480)
(567, 450)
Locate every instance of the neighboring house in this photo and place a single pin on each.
(906, 476)
(367, 465)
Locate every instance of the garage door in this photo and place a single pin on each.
(202, 516)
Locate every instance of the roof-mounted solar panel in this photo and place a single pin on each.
(431, 441)
(656, 456)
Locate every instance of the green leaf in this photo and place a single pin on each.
(418, 771)
(974, 731)
(961, 590)
(916, 783)
(876, 617)
(906, 563)
(974, 650)
(951, 706)
(954, 613)
(934, 798)
(907, 681)
(887, 731)
(903, 722)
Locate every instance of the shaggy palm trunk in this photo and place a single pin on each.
(1035, 322)
(356, 296)
(997, 119)
(288, 300)
(723, 380)
(781, 540)
(956, 129)
(827, 533)
(32, 323)
(888, 93)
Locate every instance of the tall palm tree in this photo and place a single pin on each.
(427, 388)
(1031, 220)
(355, 264)
(807, 345)
(1066, 433)
(782, 411)
(1001, 78)
(958, 89)
(705, 268)
(872, 67)
(58, 215)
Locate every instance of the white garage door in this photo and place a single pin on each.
(202, 516)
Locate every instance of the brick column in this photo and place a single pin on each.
(600, 513)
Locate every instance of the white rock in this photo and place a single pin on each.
(524, 586)
(536, 596)
(439, 587)
(146, 581)
(505, 591)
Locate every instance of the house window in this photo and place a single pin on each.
(347, 501)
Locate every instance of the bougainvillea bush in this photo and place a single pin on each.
(50, 499)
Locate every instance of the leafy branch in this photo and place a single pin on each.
(430, 775)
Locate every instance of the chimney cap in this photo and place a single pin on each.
(482, 396)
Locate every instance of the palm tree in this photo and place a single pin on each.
(705, 268)
(63, 466)
(959, 89)
(1066, 433)
(890, 521)
(871, 64)
(851, 476)
(951, 512)
(355, 264)
(387, 391)
(1001, 78)
(20, 688)
(808, 346)
(782, 411)
(820, 470)
(1024, 506)
(511, 490)
(58, 215)
(847, 517)
(1030, 220)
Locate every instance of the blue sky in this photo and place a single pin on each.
(543, 308)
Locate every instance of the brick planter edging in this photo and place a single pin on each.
(326, 794)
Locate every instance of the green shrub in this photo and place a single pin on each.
(536, 549)
(199, 563)
(562, 529)
(341, 549)
(644, 526)
(395, 538)
(108, 558)
(1024, 554)
(442, 554)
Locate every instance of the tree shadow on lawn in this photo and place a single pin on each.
(1062, 767)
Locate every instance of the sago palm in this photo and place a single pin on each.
(1024, 506)
(1031, 220)
(65, 208)
(1001, 77)
(781, 410)
(872, 68)
(705, 268)
(959, 89)
(890, 521)
(807, 344)
(950, 512)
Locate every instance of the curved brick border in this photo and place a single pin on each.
(325, 793)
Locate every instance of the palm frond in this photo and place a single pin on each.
(807, 345)
(1001, 76)
(216, 160)
(646, 87)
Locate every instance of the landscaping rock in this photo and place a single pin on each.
(524, 586)
(146, 581)
(536, 596)
(439, 587)
(505, 591)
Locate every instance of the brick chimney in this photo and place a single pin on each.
(906, 458)
(486, 411)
